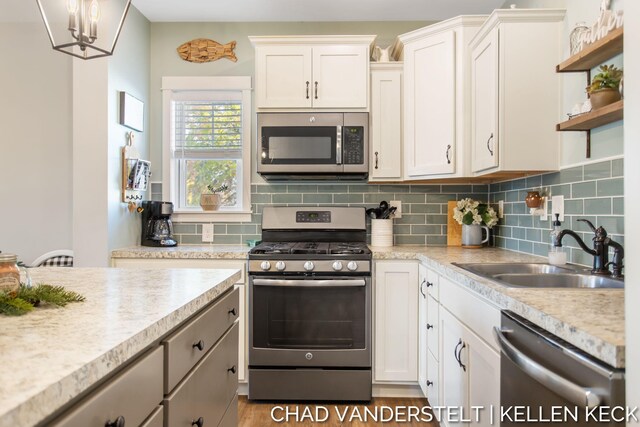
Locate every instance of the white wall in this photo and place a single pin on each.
(632, 202)
(35, 143)
(606, 141)
(166, 37)
(101, 221)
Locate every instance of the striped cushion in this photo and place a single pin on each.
(57, 261)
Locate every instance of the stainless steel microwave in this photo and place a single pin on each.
(313, 145)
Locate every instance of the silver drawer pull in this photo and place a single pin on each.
(199, 422)
(233, 312)
(199, 345)
(232, 369)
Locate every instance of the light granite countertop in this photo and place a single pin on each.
(590, 319)
(184, 251)
(51, 355)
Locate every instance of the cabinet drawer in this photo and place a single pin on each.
(479, 315)
(132, 394)
(207, 391)
(156, 419)
(188, 345)
(230, 418)
(433, 310)
(433, 284)
(433, 380)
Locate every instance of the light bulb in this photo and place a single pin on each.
(94, 11)
(72, 6)
(94, 15)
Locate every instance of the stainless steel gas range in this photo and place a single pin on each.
(310, 306)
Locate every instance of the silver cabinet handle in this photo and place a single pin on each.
(316, 92)
(338, 145)
(307, 90)
(448, 150)
(376, 153)
(421, 291)
(488, 147)
(560, 385)
(302, 283)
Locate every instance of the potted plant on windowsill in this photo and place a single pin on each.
(211, 201)
(605, 86)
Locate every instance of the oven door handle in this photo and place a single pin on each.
(305, 283)
(572, 392)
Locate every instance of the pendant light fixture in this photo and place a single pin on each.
(85, 29)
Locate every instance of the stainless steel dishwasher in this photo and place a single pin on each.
(543, 378)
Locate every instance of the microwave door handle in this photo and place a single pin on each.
(560, 385)
(346, 283)
(338, 145)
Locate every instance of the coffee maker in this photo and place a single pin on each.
(157, 229)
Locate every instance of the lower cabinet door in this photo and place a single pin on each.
(454, 376)
(209, 388)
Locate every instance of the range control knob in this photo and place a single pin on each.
(337, 265)
(352, 266)
(308, 266)
(265, 265)
(280, 265)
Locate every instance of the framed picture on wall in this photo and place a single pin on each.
(131, 112)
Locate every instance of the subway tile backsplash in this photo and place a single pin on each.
(593, 191)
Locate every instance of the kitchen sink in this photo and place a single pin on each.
(533, 275)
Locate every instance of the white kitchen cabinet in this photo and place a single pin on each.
(470, 360)
(396, 322)
(386, 122)
(470, 370)
(205, 263)
(312, 71)
(515, 92)
(436, 98)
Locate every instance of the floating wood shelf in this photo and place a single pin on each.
(594, 119)
(594, 54)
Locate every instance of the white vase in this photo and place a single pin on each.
(472, 235)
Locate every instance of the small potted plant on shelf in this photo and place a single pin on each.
(604, 87)
(474, 217)
(211, 201)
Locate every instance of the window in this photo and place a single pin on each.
(207, 136)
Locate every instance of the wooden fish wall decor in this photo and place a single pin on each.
(205, 50)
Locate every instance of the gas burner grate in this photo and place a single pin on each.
(273, 248)
(348, 248)
(310, 248)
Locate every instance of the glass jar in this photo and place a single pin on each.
(574, 38)
(9, 273)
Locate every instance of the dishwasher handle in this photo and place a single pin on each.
(572, 392)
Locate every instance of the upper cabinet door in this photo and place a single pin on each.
(386, 123)
(430, 106)
(484, 99)
(283, 77)
(340, 76)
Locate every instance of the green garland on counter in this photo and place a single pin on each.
(26, 298)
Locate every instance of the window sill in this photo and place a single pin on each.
(212, 216)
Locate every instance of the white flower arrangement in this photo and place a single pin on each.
(469, 212)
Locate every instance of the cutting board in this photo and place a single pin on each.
(454, 230)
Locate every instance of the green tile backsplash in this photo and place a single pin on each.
(593, 191)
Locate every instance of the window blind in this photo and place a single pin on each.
(209, 128)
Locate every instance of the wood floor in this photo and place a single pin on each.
(258, 414)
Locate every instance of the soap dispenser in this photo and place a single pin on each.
(557, 254)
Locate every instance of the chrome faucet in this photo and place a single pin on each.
(600, 251)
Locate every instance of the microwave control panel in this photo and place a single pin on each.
(353, 145)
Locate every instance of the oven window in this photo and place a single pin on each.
(299, 145)
(309, 318)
